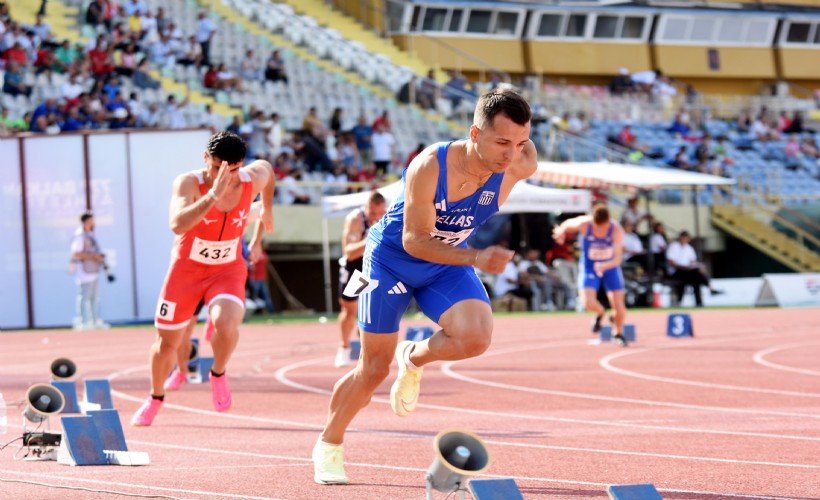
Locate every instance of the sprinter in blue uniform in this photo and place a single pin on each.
(602, 241)
(419, 249)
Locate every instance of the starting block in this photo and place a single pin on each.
(69, 392)
(628, 333)
(495, 489)
(355, 350)
(205, 365)
(96, 439)
(418, 333)
(633, 492)
(98, 391)
(679, 325)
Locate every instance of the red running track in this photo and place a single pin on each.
(731, 413)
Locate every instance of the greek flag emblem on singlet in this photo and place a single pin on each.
(486, 197)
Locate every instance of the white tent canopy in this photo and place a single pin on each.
(609, 175)
(524, 198)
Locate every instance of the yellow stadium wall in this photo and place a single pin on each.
(799, 63)
(368, 13)
(735, 62)
(586, 58)
(506, 55)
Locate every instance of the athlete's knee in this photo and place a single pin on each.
(373, 368)
(473, 336)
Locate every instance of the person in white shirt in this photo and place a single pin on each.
(683, 267)
(205, 29)
(633, 246)
(383, 142)
(657, 245)
(87, 261)
(634, 213)
(510, 281)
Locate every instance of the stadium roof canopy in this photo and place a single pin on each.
(604, 175)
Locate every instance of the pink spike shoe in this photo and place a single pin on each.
(145, 415)
(221, 392)
(174, 380)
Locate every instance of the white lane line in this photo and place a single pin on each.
(606, 364)
(52, 476)
(759, 357)
(281, 376)
(448, 370)
(414, 469)
(653, 455)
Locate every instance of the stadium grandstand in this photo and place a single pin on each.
(726, 88)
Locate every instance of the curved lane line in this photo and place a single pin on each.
(281, 376)
(448, 370)
(759, 357)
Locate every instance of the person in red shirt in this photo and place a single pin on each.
(209, 210)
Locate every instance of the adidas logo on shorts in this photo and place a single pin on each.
(397, 289)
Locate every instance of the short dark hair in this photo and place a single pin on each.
(684, 234)
(376, 198)
(501, 101)
(227, 146)
(88, 214)
(600, 213)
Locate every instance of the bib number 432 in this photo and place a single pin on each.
(214, 252)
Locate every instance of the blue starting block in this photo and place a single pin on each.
(98, 390)
(355, 350)
(633, 492)
(81, 443)
(204, 366)
(419, 333)
(69, 392)
(109, 428)
(628, 333)
(680, 325)
(495, 489)
(96, 439)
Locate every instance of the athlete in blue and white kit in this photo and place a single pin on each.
(601, 254)
(418, 249)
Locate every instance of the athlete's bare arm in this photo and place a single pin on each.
(352, 242)
(188, 206)
(523, 166)
(420, 222)
(264, 182)
(576, 224)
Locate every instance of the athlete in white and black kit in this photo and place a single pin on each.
(357, 223)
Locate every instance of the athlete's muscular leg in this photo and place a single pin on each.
(347, 320)
(467, 328)
(616, 299)
(162, 357)
(353, 391)
(589, 300)
(226, 315)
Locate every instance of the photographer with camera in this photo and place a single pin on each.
(87, 260)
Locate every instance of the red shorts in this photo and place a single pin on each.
(187, 283)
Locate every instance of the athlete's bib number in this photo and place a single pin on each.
(603, 253)
(359, 284)
(214, 252)
(450, 237)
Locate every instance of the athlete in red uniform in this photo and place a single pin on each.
(209, 211)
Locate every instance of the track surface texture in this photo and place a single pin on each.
(731, 413)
